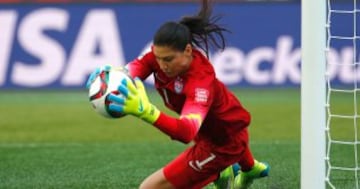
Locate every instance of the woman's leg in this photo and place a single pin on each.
(156, 180)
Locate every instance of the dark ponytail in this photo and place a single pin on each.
(200, 30)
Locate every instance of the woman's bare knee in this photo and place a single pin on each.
(156, 180)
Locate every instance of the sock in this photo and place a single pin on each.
(247, 161)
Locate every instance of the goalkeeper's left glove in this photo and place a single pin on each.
(134, 101)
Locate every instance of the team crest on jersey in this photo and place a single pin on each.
(201, 95)
(178, 85)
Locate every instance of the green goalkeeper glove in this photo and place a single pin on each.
(134, 101)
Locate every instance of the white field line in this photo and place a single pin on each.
(40, 144)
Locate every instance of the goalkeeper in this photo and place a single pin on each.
(210, 115)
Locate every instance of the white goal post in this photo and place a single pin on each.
(313, 93)
(330, 119)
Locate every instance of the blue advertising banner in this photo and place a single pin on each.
(58, 46)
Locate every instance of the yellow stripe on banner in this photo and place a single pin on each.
(195, 117)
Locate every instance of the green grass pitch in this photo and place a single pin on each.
(53, 139)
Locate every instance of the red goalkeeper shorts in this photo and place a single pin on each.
(201, 163)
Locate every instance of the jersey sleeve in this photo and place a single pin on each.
(197, 104)
(142, 66)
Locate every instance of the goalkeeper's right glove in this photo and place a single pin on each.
(135, 101)
(95, 73)
(100, 69)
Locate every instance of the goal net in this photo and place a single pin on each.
(342, 91)
(330, 107)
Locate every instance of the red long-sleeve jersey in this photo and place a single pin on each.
(208, 111)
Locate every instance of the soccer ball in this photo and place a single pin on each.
(103, 84)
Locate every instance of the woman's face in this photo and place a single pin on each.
(173, 62)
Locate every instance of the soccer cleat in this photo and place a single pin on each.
(236, 168)
(225, 180)
(245, 179)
